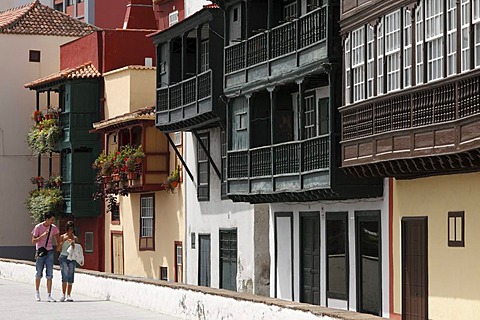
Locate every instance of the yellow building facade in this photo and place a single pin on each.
(144, 236)
(452, 269)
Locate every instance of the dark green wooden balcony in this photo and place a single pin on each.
(187, 104)
(285, 49)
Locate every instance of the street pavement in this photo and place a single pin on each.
(17, 301)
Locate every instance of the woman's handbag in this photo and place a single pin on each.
(42, 251)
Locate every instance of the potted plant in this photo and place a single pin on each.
(174, 177)
(38, 181)
(138, 154)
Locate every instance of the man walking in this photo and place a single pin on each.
(42, 236)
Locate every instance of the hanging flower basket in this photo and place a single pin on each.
(45, 133)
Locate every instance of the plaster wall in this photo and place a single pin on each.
(180, 301)
(453, 277)
(127, 90)
(192, 6)
(208, 217)
(284, 277)
(17, 165)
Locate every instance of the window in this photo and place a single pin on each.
(380, 46)
(434, 38)
(290, 10)
(89, 242)
(164, 273)
(114, 208)
(323, 118)
(451, 37)
(178, 261)
(370, 61)
(177, 138)
(173, 18)
(337, 255)
(223, 142)
(228, 259)
(309, 128)
(192, 240)
(419, 43)
(204, 56)
(465, 18)
(235, 14)
(58, 7)
(476, 28)
(407, 49)
(358, 64)
(203, 168)
(347, 70)
(34, 56)
(241, 121)
(392, 50)
(147, 222)
(456, 229)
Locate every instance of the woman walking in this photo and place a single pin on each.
(67, 267)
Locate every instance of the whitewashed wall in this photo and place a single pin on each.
(17, 165)
(207, 217)
(181, 301)
(284, 281)
(192, 6)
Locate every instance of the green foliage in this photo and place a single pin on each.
(174, 175)
(44, 136)
(42, 201)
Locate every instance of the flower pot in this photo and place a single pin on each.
(138, 160)
(174, 184)
(132, 175)
(107, 179)
(116, 177)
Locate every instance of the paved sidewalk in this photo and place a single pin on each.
(17, 301)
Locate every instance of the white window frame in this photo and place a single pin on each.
(392, 50)
(465, 23)
(370, 61)
(290, 11)
(310, 116)
(476, 30)
(434, 39)
(358, 64)
(347, 70)
(172, 18)
(419, 36)
(407, 48)
(380, 51)
(451, 37)
(147, 216)
(204, 55)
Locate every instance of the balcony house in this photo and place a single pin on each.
(189, 73)
(420, 117)
(78, 91)
(283, 84)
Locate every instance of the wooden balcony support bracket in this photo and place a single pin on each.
(214, 166)
(179, 155)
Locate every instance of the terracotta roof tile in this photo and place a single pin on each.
(147, 113)
(84, 71)
(38, 19)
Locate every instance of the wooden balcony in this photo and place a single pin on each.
(278, 51)
(187, 104)
(424, 130)
(271, 171)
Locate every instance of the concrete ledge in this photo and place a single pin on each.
(179, 300)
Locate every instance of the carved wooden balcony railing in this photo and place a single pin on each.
(282, 160)
(185, 100)
(285, 39)
(429, 120)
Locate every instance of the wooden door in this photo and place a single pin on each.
(415, 268)
(310, 258)
(204, 260)
(369, 262)
(117, 253)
